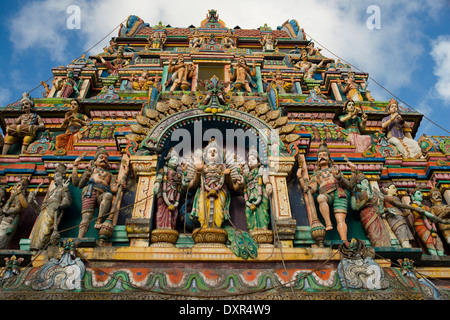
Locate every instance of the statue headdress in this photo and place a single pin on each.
(324, 148)
(26, 97)
(391, 102)
(61, 168)
(101, 150)
(213, 144)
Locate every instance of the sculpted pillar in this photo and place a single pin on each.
(284, 224)
(138, 227)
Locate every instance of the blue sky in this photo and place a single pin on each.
(409, 54)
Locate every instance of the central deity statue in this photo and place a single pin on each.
(213, 179)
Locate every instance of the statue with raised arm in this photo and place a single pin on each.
(367, 203)
(306, 66)
(331, 185)
(24, 127)
(425, 226)
(213, 182)
(118, 63)
(441, 210)
(58, 198)
(257, 190)
(397, 132)
(395, 213)
(98, 186)
(181, 73)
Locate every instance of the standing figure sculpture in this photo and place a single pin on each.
(73, 122)
(10, 217)
(45, 230)
(367, 202)
(354, 125)
(24, 127)
(425, 227)
(181, 72)
(242, 74)
(331, 184)
(440, 210)
(98, 184)
(213, 182)
(395, 213)
(395, 126)
(168, 187)
(257, 190)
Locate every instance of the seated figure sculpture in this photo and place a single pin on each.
(394, 126)
(24, 127)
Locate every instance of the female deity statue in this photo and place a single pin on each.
(367, 202)
(212, 199)
(73, 122)
(354, 125)
(58, 198)
(351, 89)
(168, 188)
(257, 190)
(424, 226)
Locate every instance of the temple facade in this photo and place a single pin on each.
(215, 162)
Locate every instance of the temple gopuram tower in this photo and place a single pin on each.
(209, 162)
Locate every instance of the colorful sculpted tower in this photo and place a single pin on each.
(214, 161)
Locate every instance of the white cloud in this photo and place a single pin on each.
(441, 56)
(39, 25)
(5, 97)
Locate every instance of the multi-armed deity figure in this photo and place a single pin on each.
(181, 72)
(214, 182)
(242, 74)
(397, 132)
(354, 125)
(425, 225)
(98, 184)
(73, 122)
(440, 210)
(367, 202)
(58, 198)
(24, 127)
(331, 184)
(257, 190)
(168, 187)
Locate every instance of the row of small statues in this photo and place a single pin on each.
(212, 180)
